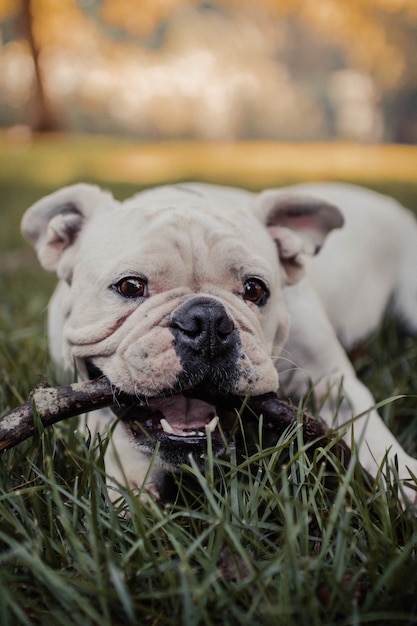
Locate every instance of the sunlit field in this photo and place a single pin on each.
(55, 160)
(267, 537)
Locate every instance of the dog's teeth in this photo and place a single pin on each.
(212, 425)
(166, 427)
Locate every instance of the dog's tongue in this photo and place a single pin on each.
(184, 416)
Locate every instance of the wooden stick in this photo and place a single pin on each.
(277, 415)
(51, 405)
(54, 404)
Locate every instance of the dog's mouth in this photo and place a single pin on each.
(182, 417)
(180, 424)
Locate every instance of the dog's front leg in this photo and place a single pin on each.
(313, 354)
(125, 464)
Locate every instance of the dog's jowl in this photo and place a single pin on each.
(185, 295)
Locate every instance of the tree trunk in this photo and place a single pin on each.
(41, 115)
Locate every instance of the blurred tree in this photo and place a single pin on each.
(140, 17)
(42, 114)
(378, 35)
(42, 23)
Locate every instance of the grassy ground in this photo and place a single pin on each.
(282, 544)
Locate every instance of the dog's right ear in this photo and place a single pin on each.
(53, 224)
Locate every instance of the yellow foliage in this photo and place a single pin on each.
(9, 8)
(139, 16)
(363, 28)
(60, 21)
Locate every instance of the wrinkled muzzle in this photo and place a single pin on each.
(204, 400)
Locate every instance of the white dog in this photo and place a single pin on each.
(186, 293)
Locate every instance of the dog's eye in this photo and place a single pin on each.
(132, 287)
(255, 291)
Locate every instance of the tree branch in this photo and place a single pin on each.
(54, 404)
(51, 405)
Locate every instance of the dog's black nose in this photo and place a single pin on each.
(203, 326)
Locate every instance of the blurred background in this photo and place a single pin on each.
(223, 70)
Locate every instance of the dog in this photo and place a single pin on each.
(184, 294)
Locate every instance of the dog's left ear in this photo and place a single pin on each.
(298, 224)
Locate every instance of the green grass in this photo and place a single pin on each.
(267, 536)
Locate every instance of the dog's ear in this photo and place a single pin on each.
(54, 223)
(298, 224)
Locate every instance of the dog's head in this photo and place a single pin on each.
(176, 295)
